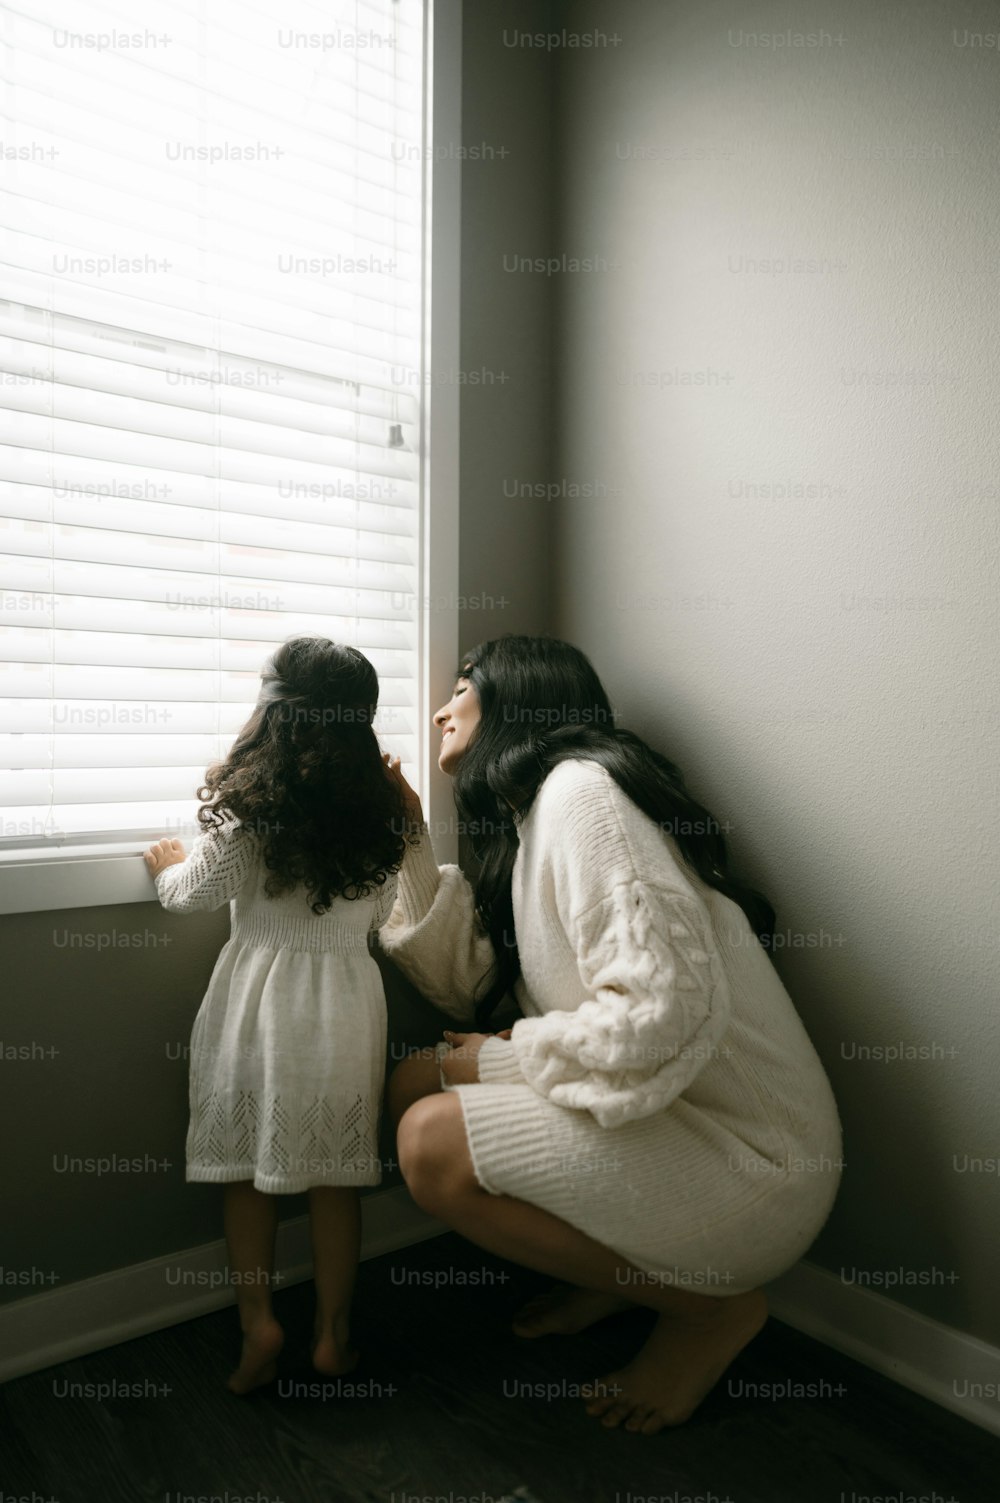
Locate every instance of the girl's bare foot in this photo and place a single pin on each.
(261, 1344)
(334, 1356)
(683, 1359)
(563, 1310)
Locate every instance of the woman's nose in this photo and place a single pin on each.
(439, 717)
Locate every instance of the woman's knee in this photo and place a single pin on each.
(433, 1153)
(419, 1075)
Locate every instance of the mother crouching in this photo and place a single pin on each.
(656, 1129)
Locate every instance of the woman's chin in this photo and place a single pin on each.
(448, 760)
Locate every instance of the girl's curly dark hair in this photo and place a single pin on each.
(306, 775)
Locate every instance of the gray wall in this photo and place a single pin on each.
(506, 424)
(120, 1016)
(821, 661)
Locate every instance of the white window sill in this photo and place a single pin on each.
(75, 877)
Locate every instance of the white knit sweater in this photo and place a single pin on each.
(628, 959)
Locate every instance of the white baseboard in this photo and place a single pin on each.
(946, 1366)
(95, 1313)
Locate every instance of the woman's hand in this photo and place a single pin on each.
(161, 855)
(461, 1066)
(411, 799)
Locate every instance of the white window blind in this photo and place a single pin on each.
(211, 385)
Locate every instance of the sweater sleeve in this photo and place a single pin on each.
(658, 1005)
(384, 901)
(213, 872)
(434, 934)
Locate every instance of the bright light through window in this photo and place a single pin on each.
(210, 345)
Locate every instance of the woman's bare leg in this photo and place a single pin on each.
(251, 1221)
(696, 1337)
(419, 1075)
(563, 1309)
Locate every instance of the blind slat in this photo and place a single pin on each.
(303, 349)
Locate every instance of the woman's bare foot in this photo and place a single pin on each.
(334, 1356)
(261, 1344)
(683, 1359)
(563, 1310)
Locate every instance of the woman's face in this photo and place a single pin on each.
(456, 721)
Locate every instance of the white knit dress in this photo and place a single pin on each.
(288, 1048)
(660, 1092)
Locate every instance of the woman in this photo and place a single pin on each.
(656, 1128)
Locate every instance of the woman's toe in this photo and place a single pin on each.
(598, 1399)
(619, 1411)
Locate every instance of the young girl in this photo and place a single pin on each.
(305, 831)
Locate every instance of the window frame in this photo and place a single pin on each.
(98, 874)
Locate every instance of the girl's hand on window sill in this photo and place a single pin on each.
(164, 853)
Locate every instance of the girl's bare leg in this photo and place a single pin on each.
(251, 1220)
(335, 1229)
(696, 1336)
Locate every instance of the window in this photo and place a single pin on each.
(213, 331)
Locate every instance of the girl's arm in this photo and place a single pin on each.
(219, 864)
(434, 934)
(384, 899)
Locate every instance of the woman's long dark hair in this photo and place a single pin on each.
(306, 775)
(541, 703)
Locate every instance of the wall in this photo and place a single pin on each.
(819, 656)
(506, 405)
(120, 1016)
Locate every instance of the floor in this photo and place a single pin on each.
(449, 1407)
